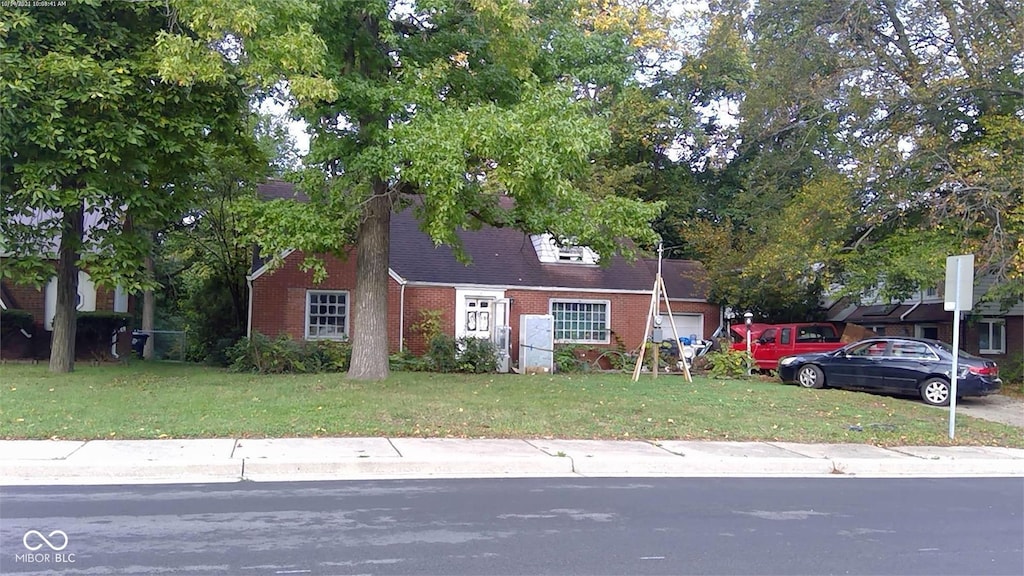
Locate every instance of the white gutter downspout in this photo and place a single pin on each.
(401, 316)
(912, 308)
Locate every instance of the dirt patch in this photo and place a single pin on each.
(997, 408)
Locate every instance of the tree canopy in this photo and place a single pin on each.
(456, 103)
(90, 132)
(887, 135)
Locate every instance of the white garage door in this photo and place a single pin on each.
(688, 325)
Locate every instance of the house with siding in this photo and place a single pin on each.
(990, 329)
(511, 274)
(41, 302)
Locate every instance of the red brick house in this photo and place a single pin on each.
(512, 274)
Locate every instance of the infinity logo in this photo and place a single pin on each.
(39, 535)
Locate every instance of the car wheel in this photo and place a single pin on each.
(810, 376)
(935, 391)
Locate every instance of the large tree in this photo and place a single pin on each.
(885, 133)
(457, 104)
(90, 132)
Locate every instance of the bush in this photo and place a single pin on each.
(406, 361)
(282, 355)
(441, 354)
(567, 359)
(468, 354)
(95, 330)
(1011, 371)
(13, 320)
(728, 363)
(477, 355)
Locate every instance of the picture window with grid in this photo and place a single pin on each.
(581, 321)
(326, 315)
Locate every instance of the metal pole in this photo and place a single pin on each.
(954, 374)
(747, 319)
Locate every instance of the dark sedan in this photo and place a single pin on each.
(894, 365)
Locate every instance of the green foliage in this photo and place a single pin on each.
(477, 355)
(406, 361)
(283, 355)
(456, 103)
(567, 358)
(87, 123)
(429, 324)
(1011, 371)
(13, 320)
(468, 354)
(95, 330)
(728, 363)
(442, 354)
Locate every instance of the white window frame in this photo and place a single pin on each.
(607, 320)
(985, 325)
(307, 313)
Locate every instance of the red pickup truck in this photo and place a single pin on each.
(771, 342)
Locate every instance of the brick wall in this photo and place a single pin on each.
(427, 298)
(280, 304)
(628, 314)
(279, 295)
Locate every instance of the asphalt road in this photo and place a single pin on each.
(520, 526)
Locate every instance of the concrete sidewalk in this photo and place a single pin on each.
(228, 460)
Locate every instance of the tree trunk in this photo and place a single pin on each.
(148, 313)
(65, 318)
(370, 306)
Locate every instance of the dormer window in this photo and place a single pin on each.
(563, 251)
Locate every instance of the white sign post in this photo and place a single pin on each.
(959, 297)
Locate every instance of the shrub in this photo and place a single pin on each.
(13, 320)
(95, 330)
(477, 355)
(429, 324)
(468, 354)
(567, 359)
(1011, 371)
(728, 363)
(282, 355)
(406, 361)
(441, 354)
(332, 355)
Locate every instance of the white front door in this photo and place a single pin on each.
(478, 321)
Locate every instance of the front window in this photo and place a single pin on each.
(581, 321)
(326, 315)
(992, 336)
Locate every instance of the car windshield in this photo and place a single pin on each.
(949, 349)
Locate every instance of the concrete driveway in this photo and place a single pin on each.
(997, 408)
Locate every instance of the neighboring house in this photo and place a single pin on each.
(987, 330)
(512, 274)
(41, 304)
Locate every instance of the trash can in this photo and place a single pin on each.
(139, 340)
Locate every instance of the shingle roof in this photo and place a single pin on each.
(506, 257)
(685, 279)
(274, 189)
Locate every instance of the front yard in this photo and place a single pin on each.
(163, 400)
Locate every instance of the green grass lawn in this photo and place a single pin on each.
(158, 400)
